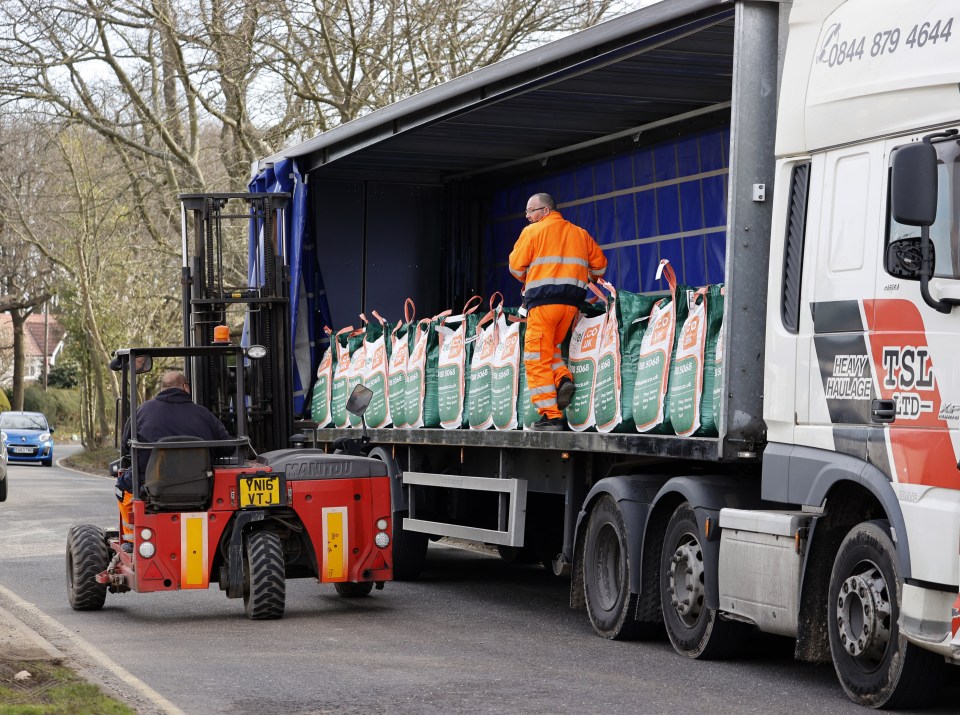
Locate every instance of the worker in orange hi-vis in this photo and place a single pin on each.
(555, 260)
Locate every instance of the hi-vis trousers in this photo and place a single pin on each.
(547, 326)
(122, 489)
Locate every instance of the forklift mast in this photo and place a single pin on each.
(235, 269)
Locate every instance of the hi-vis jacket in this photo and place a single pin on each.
(555, 260)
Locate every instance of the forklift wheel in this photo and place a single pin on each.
(264, 587)
(86, 557)
(354, 590)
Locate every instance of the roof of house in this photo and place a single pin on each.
(33, 331)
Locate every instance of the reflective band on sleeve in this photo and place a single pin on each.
(559, 259)
(531, 285)
(518, 274)
(600, 272)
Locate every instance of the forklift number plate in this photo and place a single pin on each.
(260, 490)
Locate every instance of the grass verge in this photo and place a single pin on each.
(52, 690)
(93, 460)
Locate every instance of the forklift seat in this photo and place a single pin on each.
(178, 479)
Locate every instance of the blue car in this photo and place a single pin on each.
(28, 437)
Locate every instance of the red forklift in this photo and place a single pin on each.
(249, 512)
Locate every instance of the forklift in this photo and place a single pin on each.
(248, 512)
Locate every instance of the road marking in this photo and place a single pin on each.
(88, 649)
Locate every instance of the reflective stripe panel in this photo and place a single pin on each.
(531, 285)
(518, 274)
(560, 259)
(556, 365)
(543, 390)
(552, 402)
(194, 567)
(531, 356)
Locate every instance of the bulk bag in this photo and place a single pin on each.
(453, 357)
(505, 374)
(323, 387)
(397, 367)
(479, 401)
(607, 386)
(421, 381)
(356, 346)
(374, 374)
(712, 364)
(594, 363)
(686, 371)
(633, 314)
(338, 391)
(651, 410)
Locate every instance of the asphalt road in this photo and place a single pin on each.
(475, 635)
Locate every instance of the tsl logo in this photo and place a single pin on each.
(590, 336)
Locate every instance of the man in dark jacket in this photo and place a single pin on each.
(171, 413)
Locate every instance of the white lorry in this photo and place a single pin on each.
(804, 154)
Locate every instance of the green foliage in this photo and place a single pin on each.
(64, 375)
(62, 407)
(4, 401)
(52, 690)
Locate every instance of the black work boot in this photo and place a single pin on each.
(548, 424)
(565, 391)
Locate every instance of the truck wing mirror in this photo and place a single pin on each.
(913, 185)
(904, 258)
(359, 400)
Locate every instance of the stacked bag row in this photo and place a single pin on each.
(639, 363)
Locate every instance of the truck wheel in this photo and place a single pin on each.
(409, 550)
(875, 666)
(606, 576)
(86, 557)
(694, 630)
(264, 587)
(354, 590)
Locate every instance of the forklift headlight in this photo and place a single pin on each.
(147, 549)
(382, 539)
(146, 534)
(256, 352)
(382, 524)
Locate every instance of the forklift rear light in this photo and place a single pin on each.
(382, 524)
(382, 539)
(147, 549)
(146, 534)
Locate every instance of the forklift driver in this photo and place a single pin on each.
(171, 413)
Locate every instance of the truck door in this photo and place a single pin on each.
(913, 345)
(835, 385)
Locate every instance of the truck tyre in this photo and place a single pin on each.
(264, 585)
(86, 557)
(875, 666)
(409, 550)
(354, 590)
(694, 630)
(606, 576)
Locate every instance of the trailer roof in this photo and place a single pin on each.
(622, 77)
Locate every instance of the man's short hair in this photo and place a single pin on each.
(172, 378)
(546, 200)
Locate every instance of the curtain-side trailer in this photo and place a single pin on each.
(828, 507)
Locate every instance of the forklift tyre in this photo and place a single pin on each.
(348, 589)
(86, 557)
(264, 584)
